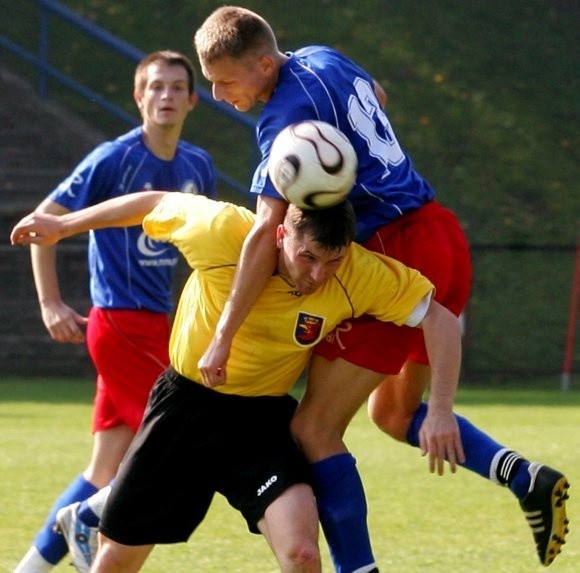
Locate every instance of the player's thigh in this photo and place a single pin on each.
(335, 390)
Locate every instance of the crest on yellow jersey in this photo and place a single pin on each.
(308, 328)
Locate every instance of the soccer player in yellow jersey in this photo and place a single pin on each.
(198, 438)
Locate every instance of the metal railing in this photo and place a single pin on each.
(48, 9)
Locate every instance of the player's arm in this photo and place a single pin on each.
(256, 265)
(439, 437)
(61, 321)
(52, 222)
(43, 228)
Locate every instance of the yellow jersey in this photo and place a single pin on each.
(272, 347)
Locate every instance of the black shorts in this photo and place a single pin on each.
(194, 442)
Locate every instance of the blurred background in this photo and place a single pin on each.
(482, 95)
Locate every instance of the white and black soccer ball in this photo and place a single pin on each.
(312, 164)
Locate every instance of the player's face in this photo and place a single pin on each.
(304, 263)
(165, 100)
(241, 82)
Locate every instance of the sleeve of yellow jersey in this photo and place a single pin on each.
(386, 288)
(207, 232)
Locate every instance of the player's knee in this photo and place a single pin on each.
(303, 429)
(110, 559)
(303, 556)
(311, 436)
(296, 426)
(390, 422)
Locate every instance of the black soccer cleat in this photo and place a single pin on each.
(545, 510)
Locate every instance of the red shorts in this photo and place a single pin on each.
(431, 240)
(129, 349)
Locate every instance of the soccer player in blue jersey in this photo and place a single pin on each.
(128, 327)
(397, 214)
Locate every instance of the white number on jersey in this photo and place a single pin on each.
(362, 109)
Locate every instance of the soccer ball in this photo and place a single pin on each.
(312, 164)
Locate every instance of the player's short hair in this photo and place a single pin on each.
(331, 228)
(169, 57)
(233, 32)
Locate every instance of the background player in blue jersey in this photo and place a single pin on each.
(128, 327)
(396, 215)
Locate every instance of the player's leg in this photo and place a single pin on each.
(434, 243)
(397, 409)
(394, 403)
(114, 557)
(541, 491)
(90, 510)
(50, 547)
(129, 350)
(114, 423)
(290, 526)
(157, 495)
(109, 447)
(334, 392)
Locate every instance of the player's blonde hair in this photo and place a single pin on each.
(233, 32)
(169, 57)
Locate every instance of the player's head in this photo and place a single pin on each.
(164, 89)
(169, 58)
(233, 32)
(239, 55)
(313, 244)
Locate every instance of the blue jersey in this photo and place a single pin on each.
(319, 83)
(127, 269)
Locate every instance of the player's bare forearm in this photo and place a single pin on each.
(63, 323)
(442, 333)
(39, 228)
(439, 435)
(43, 260)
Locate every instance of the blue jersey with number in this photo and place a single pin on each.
(319, 83)
(127, 269)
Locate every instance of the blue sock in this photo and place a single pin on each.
(342, 511)
(520, 483)
(480, 452)
(52, 546)
(87, 515)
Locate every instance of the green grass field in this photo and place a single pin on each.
(418, 522)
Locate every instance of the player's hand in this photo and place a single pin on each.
(63, 323)
(36, 229)
(440, 440)
(212, 365)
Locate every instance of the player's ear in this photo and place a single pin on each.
(267, 65)
(280, 234)
(138, 97)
